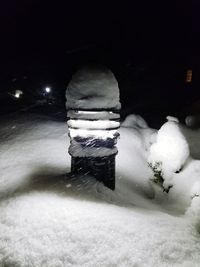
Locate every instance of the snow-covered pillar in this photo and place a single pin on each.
(93, 120)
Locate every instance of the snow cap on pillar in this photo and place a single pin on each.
(93, 87)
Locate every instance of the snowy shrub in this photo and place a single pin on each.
(158, 175)
(157, 170)
(168, 154)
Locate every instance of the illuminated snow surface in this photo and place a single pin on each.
(49, 219)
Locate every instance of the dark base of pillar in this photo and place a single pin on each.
(103, 169)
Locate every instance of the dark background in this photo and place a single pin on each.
(148, 45)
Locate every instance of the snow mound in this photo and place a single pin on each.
(134, 121)
(170, 151)
(170, 154)
(171, 118)
(93, 88)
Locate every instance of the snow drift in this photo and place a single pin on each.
(51, 219)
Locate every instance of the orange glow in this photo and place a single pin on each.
(189, 76)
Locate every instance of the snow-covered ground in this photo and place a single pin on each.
(51, 219)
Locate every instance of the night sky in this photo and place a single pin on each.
(148, 45)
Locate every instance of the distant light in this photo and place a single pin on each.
(47, 89)
(18, 93)
(189, 76)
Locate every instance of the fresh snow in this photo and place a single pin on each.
(93, 87)
(171, 140)
(52, 219)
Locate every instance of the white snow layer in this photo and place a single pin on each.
(93, 88)
(93, 115)
(51, 219)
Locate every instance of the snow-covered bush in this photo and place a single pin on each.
(157, 171)
(169, 153)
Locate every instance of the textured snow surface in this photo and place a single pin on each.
(51, 219)
(93, 88)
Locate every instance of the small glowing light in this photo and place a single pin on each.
(86, 112)
(18, 93)
(47, 89)
(98, 124)
(189, 76)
